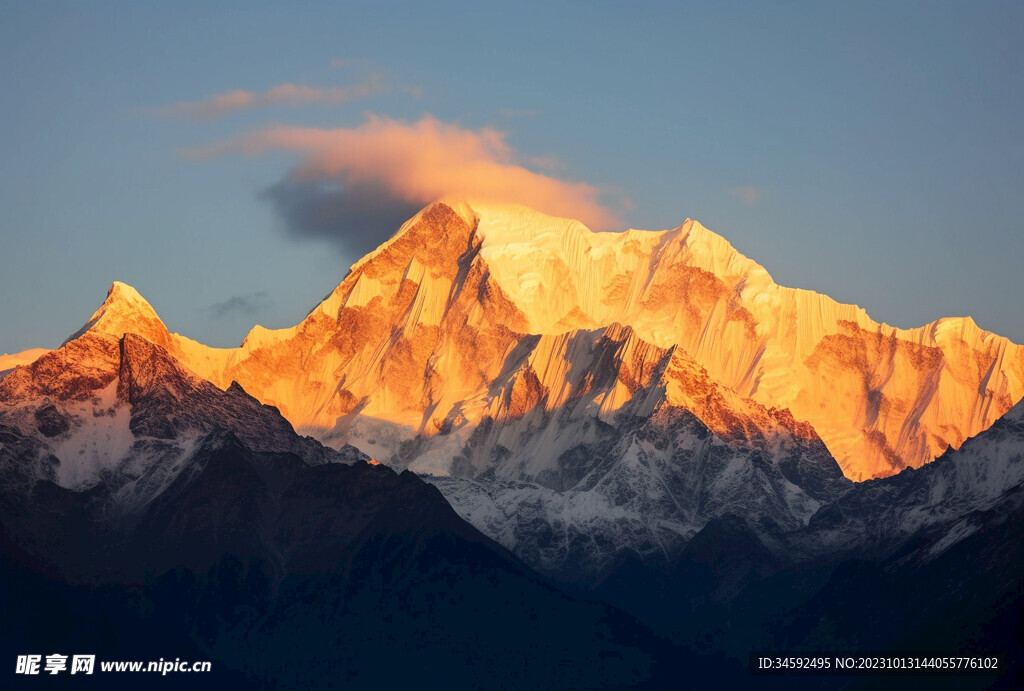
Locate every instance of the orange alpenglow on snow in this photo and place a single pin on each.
(477, 312)
(9, 361)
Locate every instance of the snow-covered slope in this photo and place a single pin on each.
(949, 499)
(881, 398)
(121, 414)
(631, 448)
(8, 361)
(643, 486)
(422, 329)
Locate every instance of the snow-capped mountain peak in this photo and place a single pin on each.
(125, 311)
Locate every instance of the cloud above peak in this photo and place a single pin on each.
(414, 163)
(225, 103)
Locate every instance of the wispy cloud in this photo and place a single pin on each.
(219, 105)
(748, 195)
(415, 163)
(249, 306)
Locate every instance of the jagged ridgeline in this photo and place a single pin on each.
(476, 312)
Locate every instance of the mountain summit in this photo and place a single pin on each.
(125, 311)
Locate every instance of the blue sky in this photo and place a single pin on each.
(871, 151)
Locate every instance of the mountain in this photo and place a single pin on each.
(581, 395)
(645, 481)
(934, 556)
(146, 512)
(949, 499)
(643, 418)
(419, 338)
(928, 560)
(122, 414)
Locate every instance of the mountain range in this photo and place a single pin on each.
(643, 445)
(143, 508)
